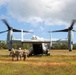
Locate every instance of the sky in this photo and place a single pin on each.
(39, 16)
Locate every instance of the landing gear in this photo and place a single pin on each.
(70, 50)
(9, 49)
(47, 53)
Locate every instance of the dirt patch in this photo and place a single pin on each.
(47, 64)
(37, 63)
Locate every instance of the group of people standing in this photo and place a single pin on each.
(18, 54)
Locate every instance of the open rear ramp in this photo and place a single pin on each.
(37, 49)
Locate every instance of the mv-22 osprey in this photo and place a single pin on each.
(39, 46)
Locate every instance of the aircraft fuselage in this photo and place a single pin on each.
(39, 48)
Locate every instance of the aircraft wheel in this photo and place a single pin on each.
(48, 54)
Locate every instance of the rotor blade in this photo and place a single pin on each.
(15, 30)
(64, 30)
(27, 31)
(8, 26)
(3, 31)
(74, 30)
(71, 26)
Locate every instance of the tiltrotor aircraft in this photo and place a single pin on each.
(39, 46)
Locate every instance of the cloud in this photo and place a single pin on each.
(41, 28)
(50, 12)
(33, 20)
(2, 2)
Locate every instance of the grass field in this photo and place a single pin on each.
(60, 62)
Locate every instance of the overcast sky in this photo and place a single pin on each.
(39, 16)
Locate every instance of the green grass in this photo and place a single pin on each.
(61, 62)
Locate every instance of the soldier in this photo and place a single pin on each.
(24, 54)
(12, 53)
(18, 54)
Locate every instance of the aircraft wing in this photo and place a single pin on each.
(36, 41)
(40, 41)
(31, 41)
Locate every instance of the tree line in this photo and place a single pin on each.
(3, 45)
